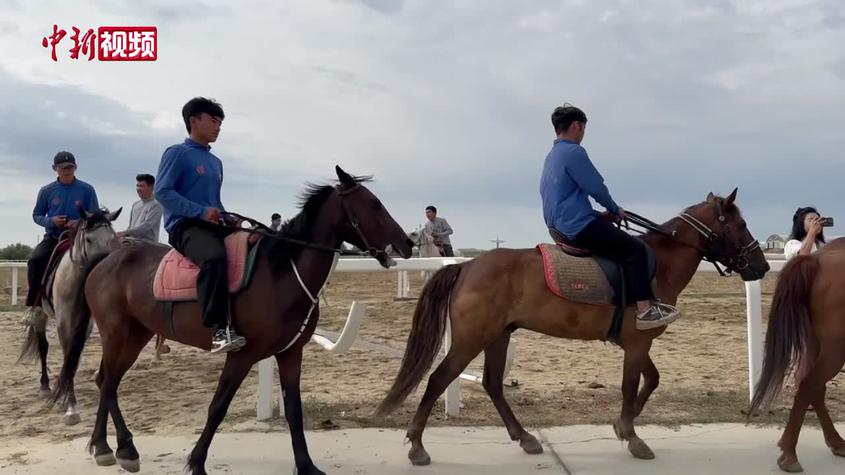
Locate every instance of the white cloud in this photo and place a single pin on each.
(449, 103)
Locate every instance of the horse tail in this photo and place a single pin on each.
(789, 328)
(79, 335)
(426, 336)
(31, 346)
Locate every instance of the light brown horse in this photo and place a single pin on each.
(488, 298)
(806, 329)
(277, 313)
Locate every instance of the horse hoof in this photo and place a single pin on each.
(71, 419)
(44, 393)
(105, 460)
(419, 456)
(130, 465)
(791, 466)
(639, 449)
(164, 349)
(838, 451)
(530, 445)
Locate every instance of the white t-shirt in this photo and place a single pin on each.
(791, 248)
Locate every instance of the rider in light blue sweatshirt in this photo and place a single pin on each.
(569, 178)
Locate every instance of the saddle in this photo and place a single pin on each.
(574, 274)
(176, 276)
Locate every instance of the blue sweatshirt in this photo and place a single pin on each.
(57, 199)
(568, 178)
(188, 181)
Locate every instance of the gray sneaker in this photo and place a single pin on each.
(658, 315)
(225, 340)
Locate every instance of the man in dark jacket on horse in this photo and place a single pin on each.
(569, 177)
(188, 187)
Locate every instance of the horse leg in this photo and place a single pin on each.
(120, 351)
(234, 371)
(43, 347)
(651, 379)
(65, 333)
(831, 435)
(290, 368)
(460, 355)
(624, 427)
(495, 357)
(161, 347)
(811, 389)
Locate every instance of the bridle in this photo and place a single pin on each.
(352, 219)
(81, 231)
(715, 243)
(735, 262)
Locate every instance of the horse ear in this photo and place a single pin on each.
(345, 178)
(86, 214)
(114, 214)
(711, 196)
(731, 197)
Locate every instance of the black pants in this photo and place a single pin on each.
(448, 251)
(605, 240)
(37, 266)
(202, 243)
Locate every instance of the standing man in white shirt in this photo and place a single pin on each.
(145, 218)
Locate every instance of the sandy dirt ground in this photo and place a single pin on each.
(702, 359)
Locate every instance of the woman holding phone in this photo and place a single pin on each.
(807, 233)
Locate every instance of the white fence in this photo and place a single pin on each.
(341, 342)
(345, 339)
(15, 266)
(754, 316)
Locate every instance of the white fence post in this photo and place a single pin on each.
(453, 391)
(754, 310)
(403, 285)
(14, 285)
(265, 389)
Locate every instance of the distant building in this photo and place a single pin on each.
(775, 242)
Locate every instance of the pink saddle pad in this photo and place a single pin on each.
(176, 276)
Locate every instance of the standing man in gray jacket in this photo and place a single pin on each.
(145, 219)
(440, 230)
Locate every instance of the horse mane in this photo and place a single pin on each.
(301, 226)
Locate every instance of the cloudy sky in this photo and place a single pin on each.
(446, 103)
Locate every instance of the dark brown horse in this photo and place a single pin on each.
(488, 298)
(806, 330)
(277, 313)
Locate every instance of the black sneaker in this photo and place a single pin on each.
(658, 315)
(225, 340)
